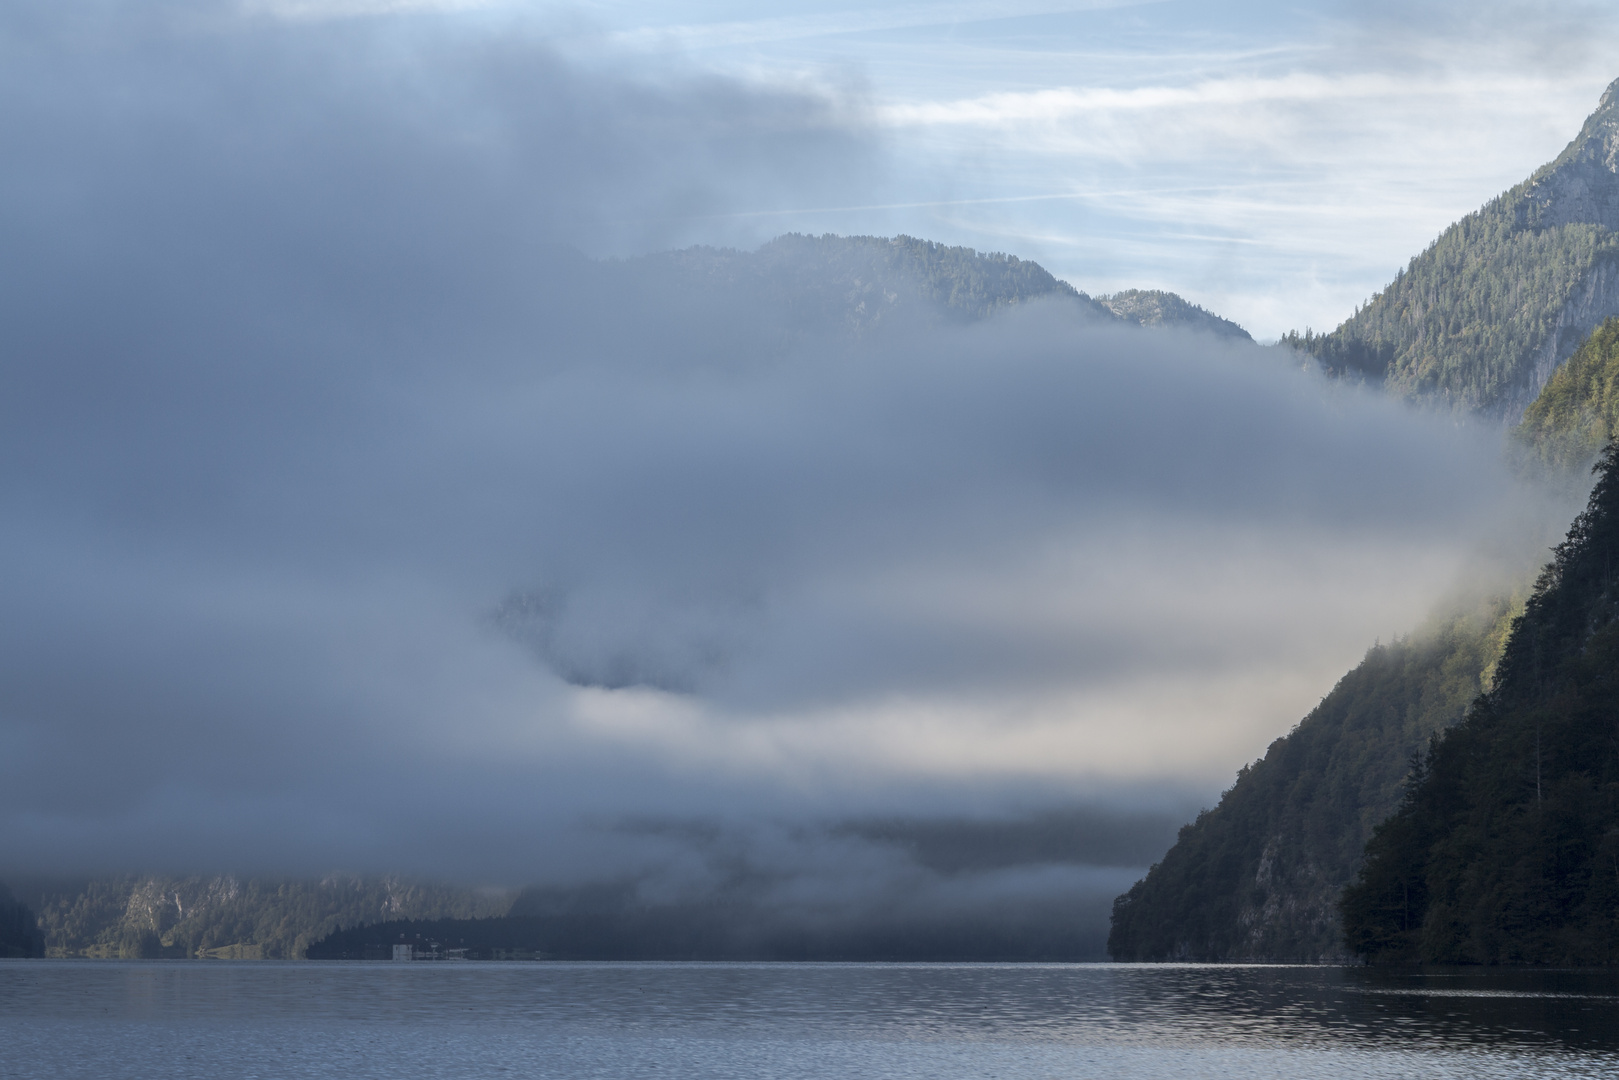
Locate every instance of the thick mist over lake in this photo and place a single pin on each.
(354, 518)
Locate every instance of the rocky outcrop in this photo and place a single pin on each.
(1150, 307)
(1593, 301)
(1582, 185)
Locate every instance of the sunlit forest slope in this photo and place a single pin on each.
(1258, 876)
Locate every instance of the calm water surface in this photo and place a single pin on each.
(815, 1022)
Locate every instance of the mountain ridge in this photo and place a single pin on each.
(858, 283)
(1479, 320)
(229, 916)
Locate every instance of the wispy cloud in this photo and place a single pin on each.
(304, 10)
(696, 36)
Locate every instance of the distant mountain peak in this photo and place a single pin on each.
(1581, 185)
(856, 283)
(1153, 307)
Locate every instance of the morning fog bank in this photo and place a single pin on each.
(355, 519)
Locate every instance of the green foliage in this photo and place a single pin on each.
(275, 918)
(1496, 301)
(1258, 876)
(1506, 849)
(1463, 323)
(1577, 412)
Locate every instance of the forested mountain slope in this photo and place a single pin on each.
(1480, 319)
(1259, 876)
(1577, 413)
(821, 284)
(1506, 849)
(230, 917)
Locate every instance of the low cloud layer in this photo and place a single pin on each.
(353, 519)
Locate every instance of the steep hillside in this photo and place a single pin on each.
(1506, 848)
(229, 917)
(1480, 319)
(1577, 413)
(1259, 876)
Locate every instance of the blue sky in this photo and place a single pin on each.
(1275, 162)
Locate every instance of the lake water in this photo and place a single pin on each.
(810, 1021)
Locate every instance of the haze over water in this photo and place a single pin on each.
(805, 1022)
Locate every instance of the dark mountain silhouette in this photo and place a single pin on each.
(821, 284)
(19, 931)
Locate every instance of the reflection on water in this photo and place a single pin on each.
(816, 1022)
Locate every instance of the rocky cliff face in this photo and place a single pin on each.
(1582, 185)
(1594, 299)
